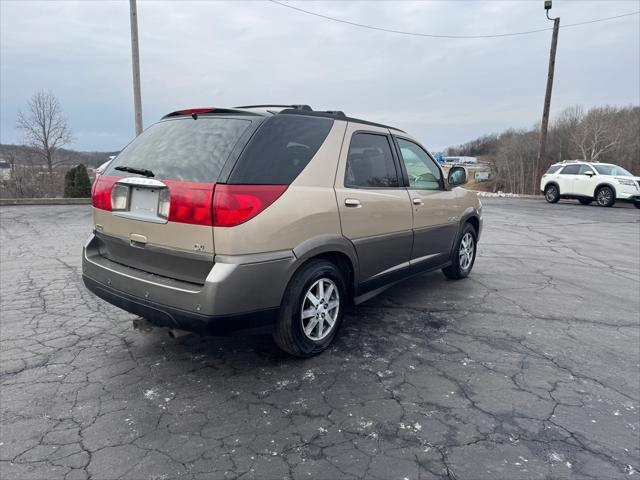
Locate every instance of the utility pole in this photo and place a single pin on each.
(547, 96)
(135, 63)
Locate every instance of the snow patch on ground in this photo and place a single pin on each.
(556, 457)
(498, 194)
(150, 394)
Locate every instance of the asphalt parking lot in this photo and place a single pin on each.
(528, 369)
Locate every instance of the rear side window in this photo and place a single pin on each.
(185, 150)
(370, 162)
(553, 169)
(570, 170)
(281, 148)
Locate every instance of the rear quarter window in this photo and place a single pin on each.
(570, 170)
(553, 169)
(280, 149)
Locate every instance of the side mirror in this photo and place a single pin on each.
(589, 174)
(457, 176)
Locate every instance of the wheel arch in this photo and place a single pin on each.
(605, 184)
(475, 222)
(471, 215)
(336, 249)
(552, 182)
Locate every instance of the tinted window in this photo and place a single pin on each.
(570, 170)
(605, 169)
(584, 169)
(280, 149)
(423, 173)
(554, 168)
(370, 162)
(185, 149)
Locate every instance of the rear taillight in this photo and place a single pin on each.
(101, 192)
(236, 204)
(189, 202)
(194, 203)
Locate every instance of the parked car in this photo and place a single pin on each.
(218, 219)
(103, 166)
(588, 181)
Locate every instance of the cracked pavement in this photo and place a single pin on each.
(530, 368)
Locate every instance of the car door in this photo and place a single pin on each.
(436, 214)
(567, 179)
(375, 210)
(584, 183)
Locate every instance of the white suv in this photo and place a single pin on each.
(588, 181)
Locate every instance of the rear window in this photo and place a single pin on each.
(280, 149)
(554, 169)
(186, 150)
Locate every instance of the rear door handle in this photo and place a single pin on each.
(418, 201)
(352, 202)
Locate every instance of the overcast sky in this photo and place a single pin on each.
(205, 53)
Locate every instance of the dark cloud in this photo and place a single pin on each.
(444, 91)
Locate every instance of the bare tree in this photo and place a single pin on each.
(605, 134)
(596, 133)
(44, 127)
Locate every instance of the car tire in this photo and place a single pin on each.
(552, 193)
(464, 254)
(294, 332)
(605, 197)
(637, 204)
(586, 201)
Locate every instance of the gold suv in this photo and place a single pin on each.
(219, 219)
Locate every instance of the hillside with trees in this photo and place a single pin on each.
(602, 134)
(26, 155)
(41, 167)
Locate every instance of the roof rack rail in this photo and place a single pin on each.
(336, 115)
(296, 109)
(295, 106)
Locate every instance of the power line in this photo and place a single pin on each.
(419, 34)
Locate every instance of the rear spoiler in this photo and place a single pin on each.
(194, 112)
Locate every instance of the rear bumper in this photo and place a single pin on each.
(239, 292)
(166, 316)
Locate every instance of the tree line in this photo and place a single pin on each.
(600, 134)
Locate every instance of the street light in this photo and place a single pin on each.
(547, 7)
(547, 98)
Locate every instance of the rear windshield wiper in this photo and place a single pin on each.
(139, 171)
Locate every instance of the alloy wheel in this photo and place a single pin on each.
(320, 308)
(465, 253)
(604, 197)
(550, 194)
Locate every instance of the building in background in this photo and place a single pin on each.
(460, 160)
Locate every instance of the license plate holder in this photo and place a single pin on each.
(143, 205)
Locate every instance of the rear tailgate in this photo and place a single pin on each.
(152, 205)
